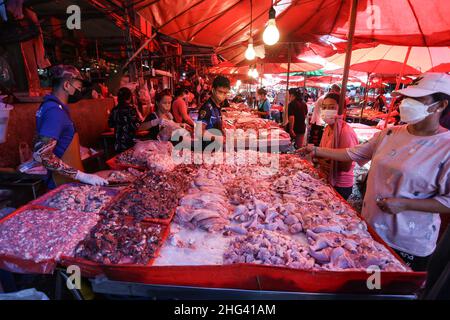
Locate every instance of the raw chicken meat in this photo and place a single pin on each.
(268, 248)
(39, 235)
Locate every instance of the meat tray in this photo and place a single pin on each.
(114, 192)
(91, 269)
(146, 219)
(263, 277)
(19, 265)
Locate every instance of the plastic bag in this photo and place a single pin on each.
(27, 294)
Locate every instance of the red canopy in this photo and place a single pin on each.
(443, 67)
(384, 67)
(224, 23)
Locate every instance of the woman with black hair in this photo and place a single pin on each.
(409, 179)
(297, 112)
(342, 179)
(124, 119)
(263, 104)
(161, 122)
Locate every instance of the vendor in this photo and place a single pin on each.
(263, 104)
(342, 179)
(209, 113)
(409, 180)
(160, 121)
(57, 144)
(124, 119)
(180, 109)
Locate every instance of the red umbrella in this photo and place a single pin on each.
(443, 67)
(384, 67)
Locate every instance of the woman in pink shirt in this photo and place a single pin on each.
(180, 110)
(409, 180)
(343, 178)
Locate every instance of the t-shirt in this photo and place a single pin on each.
(411, 167)
(124, 120)
(347, 139)
(264, 106)
(154, 131)
(210, 115)
(299, 110)
(53, 121)
(178, 108)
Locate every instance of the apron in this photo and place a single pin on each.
(72, 158)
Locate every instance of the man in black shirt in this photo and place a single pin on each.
(297, 112)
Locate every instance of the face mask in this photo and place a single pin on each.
(329, 116)
(413, 111)
(76, 96)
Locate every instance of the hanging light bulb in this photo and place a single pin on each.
(271, 34)
(250, 72)
(255, 73)
(250, 53)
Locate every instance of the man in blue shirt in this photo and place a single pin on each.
(57, 143)
(209, 112)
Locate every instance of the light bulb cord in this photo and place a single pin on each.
(251, 18)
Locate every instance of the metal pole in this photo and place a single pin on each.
(397, 86)
(366, 91)
(286, 99)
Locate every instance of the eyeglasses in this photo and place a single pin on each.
(79, 89)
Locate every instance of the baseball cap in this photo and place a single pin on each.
(427, 84)
(66, 71)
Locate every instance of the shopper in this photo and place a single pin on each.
(380, 101)
(317, 123)
(342, 180)
(180, 109)
(409, 179)
(125, 121)
(161, 119)
(297, 112)
(57, 144)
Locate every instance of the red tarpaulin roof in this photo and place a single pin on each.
(224, 23)
(420, 58)
(267, 68)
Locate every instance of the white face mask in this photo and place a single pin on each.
(329, 116)
(413, 111)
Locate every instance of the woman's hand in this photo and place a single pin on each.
(392, 205)
(306, 150)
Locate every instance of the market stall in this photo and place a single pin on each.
(270, 225)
